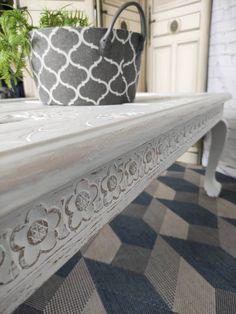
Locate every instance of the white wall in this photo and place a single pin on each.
(222, 74)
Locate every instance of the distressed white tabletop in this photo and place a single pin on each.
(29, 122)
(66, 171)
(32, 135)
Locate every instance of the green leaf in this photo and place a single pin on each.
(14, 45)
(62, 18)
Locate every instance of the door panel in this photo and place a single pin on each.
(184, 23)
(186, 67)
(162, 62)
(173, 10)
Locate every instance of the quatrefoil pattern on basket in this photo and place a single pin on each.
(70, 69)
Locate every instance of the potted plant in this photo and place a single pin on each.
(78, 65)
(6, 52)
(15, 46)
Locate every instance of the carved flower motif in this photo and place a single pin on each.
(166, 147)
(37, 235)
(8, 268)
(149, 158)
(111, 184)
(173, 142)
(81, 204)
(161, 149)
(132, 171)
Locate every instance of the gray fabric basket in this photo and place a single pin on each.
(87, 66)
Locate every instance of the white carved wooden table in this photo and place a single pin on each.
(66, 171)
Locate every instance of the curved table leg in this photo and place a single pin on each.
(218, 136)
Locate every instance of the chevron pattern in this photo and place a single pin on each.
(172, 250)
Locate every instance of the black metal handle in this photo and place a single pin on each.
(106, 37)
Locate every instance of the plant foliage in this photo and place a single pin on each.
(14, 45)
(62, 17)
(14, 37)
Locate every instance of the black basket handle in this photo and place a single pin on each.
(106, 37)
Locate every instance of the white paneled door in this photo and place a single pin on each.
(178, 49)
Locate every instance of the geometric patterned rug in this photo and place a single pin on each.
(173, 250)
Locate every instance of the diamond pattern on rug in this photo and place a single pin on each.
(134, 231)
(143, 199)
(113, 280)
(122, 304)
(154, 218)
(231, 221)
(138, 258)
(176, 167)
(25, 309)
(65, 270)
(203, 234)
(193, 292)
(162, 270)
(192, 213)
(219, 176)
(212, 263)
(179, 184)
(192, 177)
(225, 208)
(135, 210)
(172, 250)
(75, 292)
(229, 196)
(164, 191)
(42, 296)
(225, 302)
(187, 197)
(101, 250)
(227, 237)
(174, 226)
(94, 305)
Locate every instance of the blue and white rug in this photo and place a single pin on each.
(173, 250)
